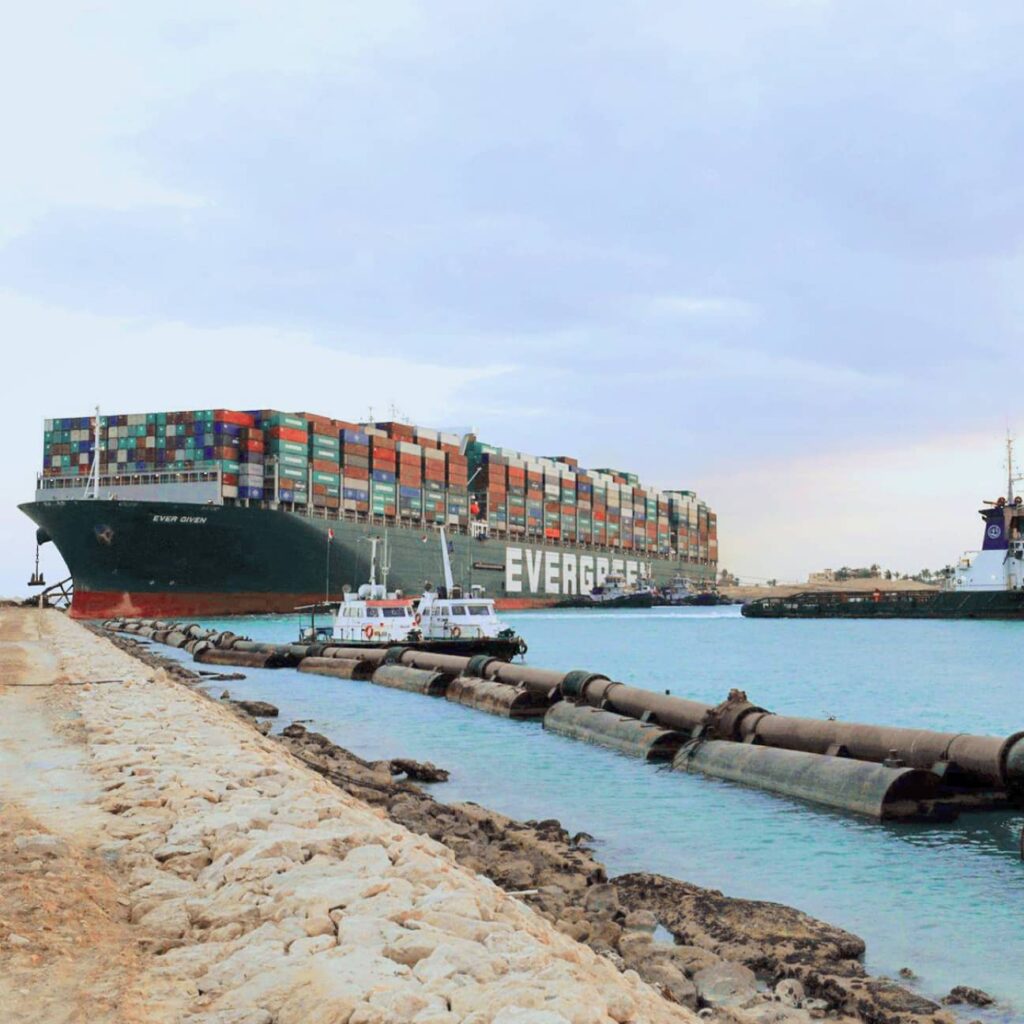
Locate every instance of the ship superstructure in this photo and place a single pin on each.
(221, 511)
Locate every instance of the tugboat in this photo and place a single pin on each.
(985, 584)
(614, 592)
(450, 618)
(675, 593)
(374, 617)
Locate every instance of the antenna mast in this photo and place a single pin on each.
(1012, 476)
(94, 471)
(373, 560)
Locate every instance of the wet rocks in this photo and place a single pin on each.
(254, 708)
(417, 771)
(965, 995)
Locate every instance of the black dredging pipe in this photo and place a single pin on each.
(340, 668)
(961, 759)
(497, 698)
(861, 787)
(662, 709)
(414, 680)
(625, 734)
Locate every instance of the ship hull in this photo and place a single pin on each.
(983, 604)
(156, 559)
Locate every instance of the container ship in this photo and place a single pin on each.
(218, 512)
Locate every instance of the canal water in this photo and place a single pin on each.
(943, 900)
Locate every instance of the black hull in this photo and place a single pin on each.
(1007, 605)
(176, 560)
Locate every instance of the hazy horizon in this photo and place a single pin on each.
(768, 252)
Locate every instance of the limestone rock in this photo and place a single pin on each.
(790, 992)
(601, 901)
(726, 984)
(40, 845)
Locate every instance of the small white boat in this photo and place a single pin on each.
(443, 620)
(448, 614)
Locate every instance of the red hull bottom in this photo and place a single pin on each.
(100, 604)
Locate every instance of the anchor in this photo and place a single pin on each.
(36, 579)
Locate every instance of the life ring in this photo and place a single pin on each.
(368, 632)
(417, 619)
(456, 631)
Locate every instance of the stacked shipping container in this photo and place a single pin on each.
(390, 470)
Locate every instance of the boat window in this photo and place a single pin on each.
(394, 613)
(479, 609)
(458, 609)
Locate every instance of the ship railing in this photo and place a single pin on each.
(110, 480)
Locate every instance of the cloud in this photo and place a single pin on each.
(62, 363)
(905, 506)
(693, 306)
(692, 244)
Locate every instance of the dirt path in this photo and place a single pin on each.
(67, 953)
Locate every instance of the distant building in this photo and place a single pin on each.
(825, 576)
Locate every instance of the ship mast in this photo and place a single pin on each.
(1012, 475)
(94, 471)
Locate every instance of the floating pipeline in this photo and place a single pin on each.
(627, 735)
(496, 698)
(413, 680)
(879, 771)
(857, 786)
(339, 668)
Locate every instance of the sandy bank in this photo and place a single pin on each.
(751, 593)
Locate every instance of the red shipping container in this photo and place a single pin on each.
(552, 533)
(322, 466)
(240, 419)
(357, 473)
(252, 446)
(229, 479)
(288, 434)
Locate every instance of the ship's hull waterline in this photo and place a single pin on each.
(180, 559)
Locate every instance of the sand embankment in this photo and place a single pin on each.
(751, 593)
(165, 862)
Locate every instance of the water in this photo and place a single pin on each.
(943, 900)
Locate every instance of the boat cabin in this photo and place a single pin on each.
(442, 617)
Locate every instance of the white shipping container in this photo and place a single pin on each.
(451, 439)
(408, 448)
(435, 454)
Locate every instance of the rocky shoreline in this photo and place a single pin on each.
(738, 960)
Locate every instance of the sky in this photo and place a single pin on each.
(770, 251)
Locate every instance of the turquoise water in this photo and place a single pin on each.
(943, 900)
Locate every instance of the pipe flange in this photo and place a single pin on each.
(726, 719)
(393, 656)
(477, 665)
(574, 683)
